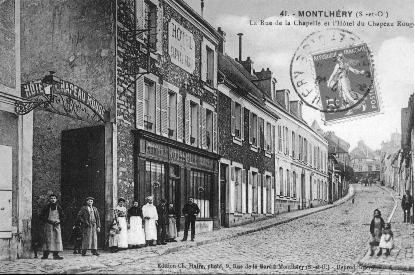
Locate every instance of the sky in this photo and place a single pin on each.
(273, 47)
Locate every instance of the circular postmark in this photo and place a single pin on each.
(332, 71)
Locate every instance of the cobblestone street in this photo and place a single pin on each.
(330, 241)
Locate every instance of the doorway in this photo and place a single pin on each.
(223, 183)
(83, 175)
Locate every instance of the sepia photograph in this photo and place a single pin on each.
(206, 137)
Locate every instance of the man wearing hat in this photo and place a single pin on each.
(150, 221)
(52, 216)
(91, 225)
(163, 220)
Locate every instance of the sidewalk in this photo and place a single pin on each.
(402, 256)
(76, 263)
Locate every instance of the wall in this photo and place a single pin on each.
(76, 40)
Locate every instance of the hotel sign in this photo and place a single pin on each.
(181, 47)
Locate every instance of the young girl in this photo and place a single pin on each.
(376, 227)
(113, 236)
(386, 241)
(121, 214)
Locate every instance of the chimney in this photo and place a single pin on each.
(264, 81)
(296, 108)
(248, 64)
(283, 99)
(240, 46)
(223, 40)
(202, 6)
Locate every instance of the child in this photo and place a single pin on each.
(386, 241)
(113, 236)
(376, 227)
(76, 238)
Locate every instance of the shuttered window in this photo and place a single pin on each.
(281, 174)
(172, 114)
(279, 139)
(194, 123)
(150, 106)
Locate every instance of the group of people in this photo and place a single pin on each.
(139, 226)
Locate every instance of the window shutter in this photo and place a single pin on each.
(249, 192)
(187, 121)
(233, 117)
(232, 173)
(250, 128)
(200, 133)
(215, 68)
(159, 44)
(203, 128)
(140, 10)
(203, 62)
(215, 132)
(242, 124)
(164, 117)
(158, 109)
(179, 117)
(139, 120)
(243, 191)
(6, 171)
(273, 139)
(260, 139)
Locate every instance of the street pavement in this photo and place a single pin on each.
(402, 256)
(300, 242)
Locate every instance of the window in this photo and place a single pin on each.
(150, 106)
(287, 143)
(155, 181)
(293, 143)
(172, 113)
(279, 139)
(294, 184)
(209, 129)
(288, 193)
(281, 182)
(261, 133)
(199, 188)
(194, 123)
(238, 120)
(268, 138)
(269, 187)
(254, 129)
(150, 22)
(300, 147)
(210, 70)
(305, 150)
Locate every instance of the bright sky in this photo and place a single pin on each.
(274, 46)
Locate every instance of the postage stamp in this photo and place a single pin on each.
(332, 71)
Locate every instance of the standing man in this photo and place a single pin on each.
(150, 221)
(190, 211)
(407, 202)
(163, 220)
(91, 226)
(51, 216)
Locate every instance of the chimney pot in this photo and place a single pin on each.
(240, 46)
(267, 69)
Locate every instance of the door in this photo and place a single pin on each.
(223, 183)
(303, 200)
(82, 175)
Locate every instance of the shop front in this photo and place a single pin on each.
(170, 170)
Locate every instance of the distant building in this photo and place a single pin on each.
(365, 162)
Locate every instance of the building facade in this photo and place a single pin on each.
(365, 162)
(166, 107)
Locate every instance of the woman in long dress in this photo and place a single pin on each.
(171, 233)
(339, 80)
(121, 213)
(136, 235)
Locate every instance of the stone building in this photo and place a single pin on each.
(365, 162)
(271, 160)
(122, 99)
(15, 142)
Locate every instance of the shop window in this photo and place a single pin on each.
(172, 113)
(150, 106)
(200, 188)
(155, 181)
(194, 123)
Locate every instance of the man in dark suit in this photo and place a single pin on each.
(190, 211)
(163, 220)
(407, 202)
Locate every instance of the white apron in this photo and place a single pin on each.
(136, 234)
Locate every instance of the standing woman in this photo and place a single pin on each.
(136, 236)
(171, 228)
(121, 213)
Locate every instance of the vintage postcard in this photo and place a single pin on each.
(207, 136)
